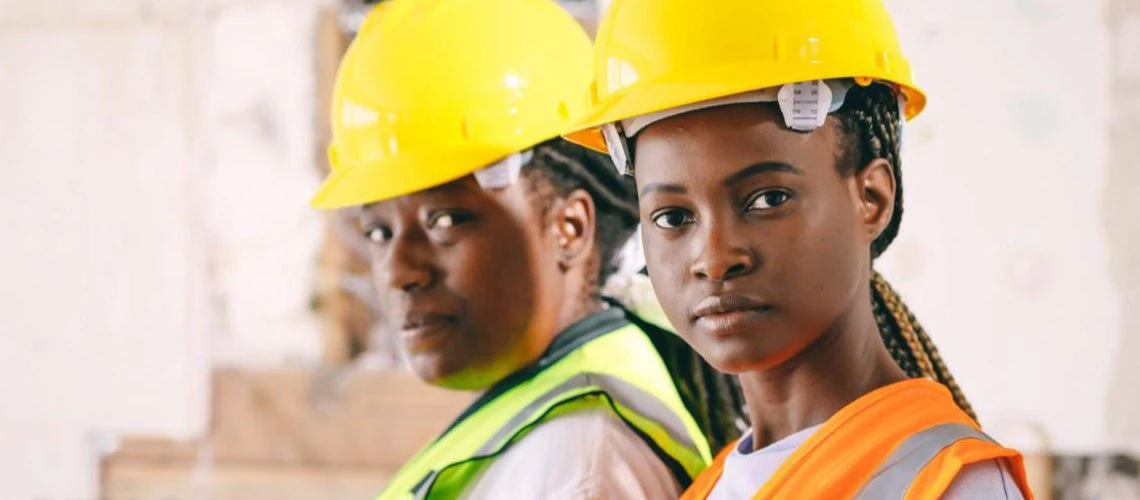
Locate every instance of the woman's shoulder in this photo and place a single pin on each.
(988, 479)
(582, 454)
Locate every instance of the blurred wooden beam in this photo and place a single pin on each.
(346, 320)
(348, 429)
(151, 481)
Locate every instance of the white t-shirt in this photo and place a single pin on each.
(745, 471)
(588, 454)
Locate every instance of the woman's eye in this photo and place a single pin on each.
(443, 222)
(378, 234)
(448, 220)
(769, 199)
(671, 219)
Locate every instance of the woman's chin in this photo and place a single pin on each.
(737, 359)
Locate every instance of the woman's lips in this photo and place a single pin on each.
(424, 332)
(728, 314)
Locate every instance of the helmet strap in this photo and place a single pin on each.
(618, 147)
(503, 173)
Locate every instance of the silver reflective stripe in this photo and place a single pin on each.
(425, 486)
(894, 477)
(646, 405)
(623, 392)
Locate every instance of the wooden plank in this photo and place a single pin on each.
(147, 481)
(351, 418)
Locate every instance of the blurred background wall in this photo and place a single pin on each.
(176, 323)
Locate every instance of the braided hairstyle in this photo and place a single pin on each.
(559, 168)
(869, 122)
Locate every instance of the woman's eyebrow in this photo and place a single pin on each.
(761, 168)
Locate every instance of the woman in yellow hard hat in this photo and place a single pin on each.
(491, 240)
(764, 137)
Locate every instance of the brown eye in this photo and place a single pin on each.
(378, 234)
(671, 219)
(444, 221)
(769, 199)
(449, 219)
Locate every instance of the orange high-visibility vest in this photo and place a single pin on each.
(906, 440)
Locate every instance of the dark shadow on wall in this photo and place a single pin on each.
(1104, 477)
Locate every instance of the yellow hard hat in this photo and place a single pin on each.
(655, 55)
(433, 90)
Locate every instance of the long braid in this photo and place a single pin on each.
(870, 120)
(903, 325)
(901, 350)
(907, 321)
(714, 399)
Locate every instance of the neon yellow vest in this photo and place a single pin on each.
(603, 361)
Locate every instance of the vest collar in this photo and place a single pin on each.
(573, 337)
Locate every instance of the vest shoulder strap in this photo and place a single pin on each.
(619, 371)
(899, 474)
(940, 472)
(882, 440)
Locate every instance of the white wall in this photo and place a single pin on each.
(156, 159)
(1004, 252)
(1122, 205)
(258, 172)
(101, 279)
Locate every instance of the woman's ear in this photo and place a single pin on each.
(876, 192)
(573, 220)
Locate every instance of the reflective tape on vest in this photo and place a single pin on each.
(894, 477)
(639, 401)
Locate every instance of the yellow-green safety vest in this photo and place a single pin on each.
(602, 361)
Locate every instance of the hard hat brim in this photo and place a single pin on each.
(658, 95)
(356, 185)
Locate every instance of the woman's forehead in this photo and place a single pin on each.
(464, 189)
(710, 144)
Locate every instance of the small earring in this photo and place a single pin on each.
(568, 227)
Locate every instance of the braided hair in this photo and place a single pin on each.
(559, 168)
(869, 123)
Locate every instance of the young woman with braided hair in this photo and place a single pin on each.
(713, 397)
(764, 139)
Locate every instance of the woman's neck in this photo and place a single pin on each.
(847, 361)
(578, 310)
